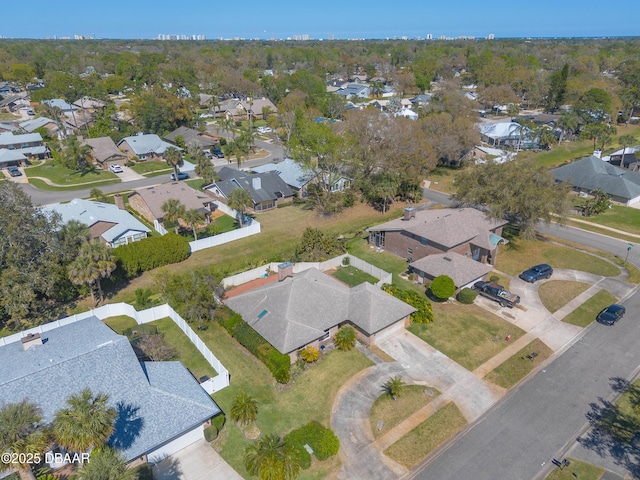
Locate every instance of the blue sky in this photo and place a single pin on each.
(319, 19)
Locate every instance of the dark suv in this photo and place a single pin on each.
(217, 152)
(536, 273)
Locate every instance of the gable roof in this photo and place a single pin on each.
(353, 89)
(142, 144)
(7, 156)
(31, 125)
(156, 401)
(447, 226)
(300, 309)
(88, 102)
(190, 135)
(271, 186)
(60, 103)
(156, 195)
(462, 270)
(591, 172)
(8, 138)
(504, 130)
(89, 213)
(292, 172)
(104, 148)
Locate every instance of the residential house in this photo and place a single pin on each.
(590, 173)
(148, 201)
(481, 155)
(205, 99)
(241, 109)
(16, 149)
(32, 125)
(160, 407)
(266, 189)
(419, 233)
(90, 104)
(626, 158)
(110, 224)
(190, 135)
(8, 127)
(298, 177)
(463, 270)
(354, 90)
(60, 104)
(307, 308)
(7, 88)
(508, 134)
(104, 151)
(421, 100)
(144, 146)
(13, 102)
(406, 113)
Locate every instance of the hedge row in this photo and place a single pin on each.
(278, 364)
(152, 252)
(423, 313)
(322, 441)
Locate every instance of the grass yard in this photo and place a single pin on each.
(467, 334)
(517, 367)
(352, 276)
(65, 177)
(391, 412)
(42, 185)
(188, 354)
(503, 280)
(518, 255)
(622, 421)
(151, 166)
(622, 218)
(557, 293)
(309, 398)
(577, 469)
(442, 179)
(586, 313)
(427, 436)
(120, 323)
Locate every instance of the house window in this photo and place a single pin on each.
(326, 335)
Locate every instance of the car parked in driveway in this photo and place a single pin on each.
(14, 172)
(116, 168)
(537, 272)
(181, 176)
(217, 152)
(264, 130)
(611, 314)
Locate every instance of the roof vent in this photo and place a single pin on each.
(31, 340)
(448, 259)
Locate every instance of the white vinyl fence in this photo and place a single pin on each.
(212, 385)
(263, 271)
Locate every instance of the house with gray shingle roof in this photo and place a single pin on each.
(160, 406)
(589, 173)
(148, 201)
(354, 90)
(307, 308)
(144, 146)
(419, 233)
(32, 125)
(17, 149)
(104, 151)
(190, 135)
(266, 189)
(462, 270)
(106, 222)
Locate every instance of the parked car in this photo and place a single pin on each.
(537, 272)
(217, 152)
(181, 176)
(264, 130)
(611, 314)
(14, 171)
(116, 168)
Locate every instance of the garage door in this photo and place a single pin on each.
(388, 332)
(176, 445)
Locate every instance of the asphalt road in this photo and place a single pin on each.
(519, 437)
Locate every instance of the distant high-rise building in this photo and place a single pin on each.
(490, 36)
(330, 37)
(429, 36)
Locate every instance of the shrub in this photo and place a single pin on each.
(210, 433)
(494, 278)
(151, 252)
(443, 287)
(309, 354)
(467, 296)
(322, 441)
(345, 338)
(346, 261)
(423, 313)
(143, 297)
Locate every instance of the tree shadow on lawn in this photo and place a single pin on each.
(616, 433)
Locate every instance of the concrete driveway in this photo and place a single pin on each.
(196, 462)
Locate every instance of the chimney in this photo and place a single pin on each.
(119, 201)
(409, 213)
(31, 340)
(256, 183)
(285, 270)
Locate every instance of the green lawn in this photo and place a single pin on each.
(42, 185)
(518, 255)
(427, 436)
(120, 323)
(391, 412)
(151, 166)
(622, 421)
(577, 469)
(65, 177)
(308, 398)
(518, 366)
(353, 276)
(587, 312)
(467, 334)
(557, 293)
(622, 218)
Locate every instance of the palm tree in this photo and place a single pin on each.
(272, 459)
(244, 409)
(97, 195)
(546, 138)
(568, 122)
(105, 463)
(228, 123)
(173, 210)
(173, 157)
(194, 217)
(22, 432)
(626, 140)
(345, 338)
(92, 263)
(86, 423)
(239, 199)
(394, 386)
(76, 155)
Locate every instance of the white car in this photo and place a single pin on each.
(115, 168)
(264, 130)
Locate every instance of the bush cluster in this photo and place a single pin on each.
(278, 364)
(443, 287)
(423, 313)
(467, 296)
(322, 441)
(152, 252)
